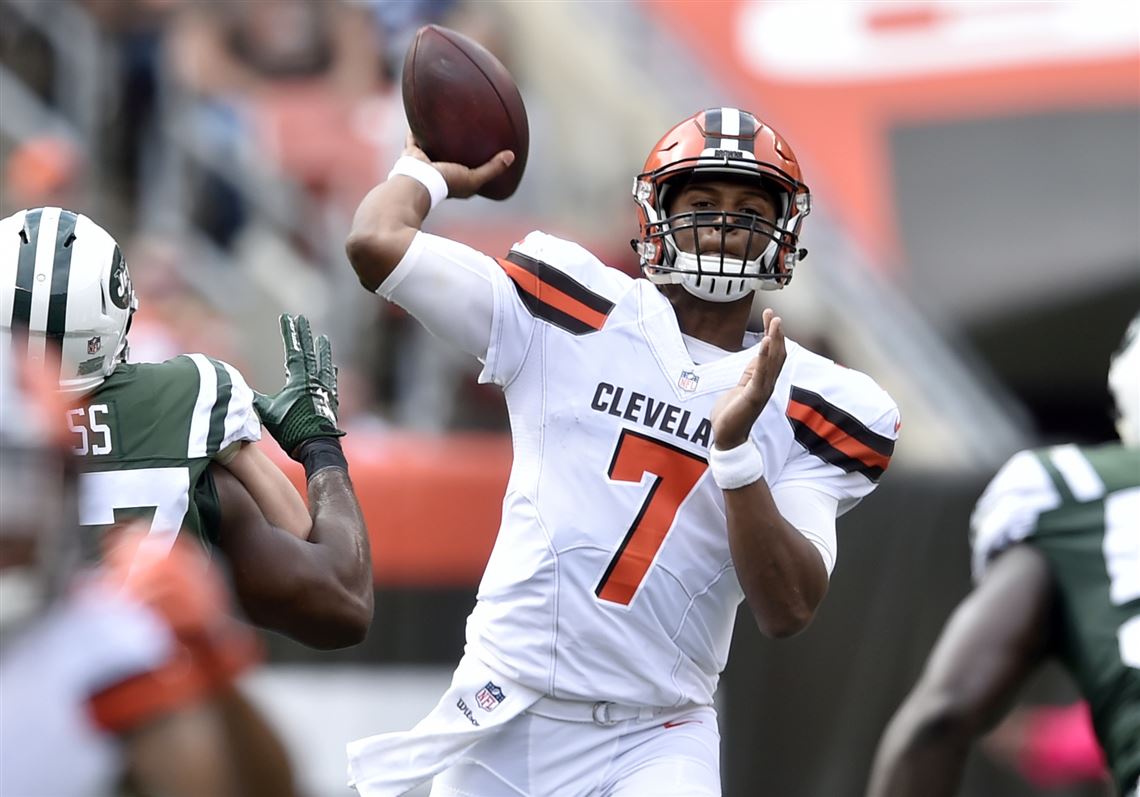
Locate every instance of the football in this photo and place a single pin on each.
(463, 106)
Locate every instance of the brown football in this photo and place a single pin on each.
(463, 106)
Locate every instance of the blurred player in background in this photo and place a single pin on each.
(667, 465)
(120, 673)
(1056, 544)
(171, 441)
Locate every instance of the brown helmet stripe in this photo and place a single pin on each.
(712, 128)
(748, 132)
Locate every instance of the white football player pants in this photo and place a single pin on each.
(490, 737)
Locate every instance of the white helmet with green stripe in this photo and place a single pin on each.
(1124, 384)
(66, 289)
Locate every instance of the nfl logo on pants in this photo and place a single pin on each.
(489, 696)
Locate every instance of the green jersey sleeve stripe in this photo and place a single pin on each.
(203, 406)
(1079, 475)
(218, 411)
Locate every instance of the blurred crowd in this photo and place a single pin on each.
(234, 140)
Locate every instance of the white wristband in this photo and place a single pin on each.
(423, 173)
(736, 467)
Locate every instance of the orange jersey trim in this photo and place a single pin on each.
(836, 436)
(552, 296)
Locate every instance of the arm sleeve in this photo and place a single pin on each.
(494, 308)
(462, 296)
(813, 514)
(223, 414)
(844, 426)
(829, 460)
(1008, 509)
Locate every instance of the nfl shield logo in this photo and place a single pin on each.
(94, 345)
(688, 381)
(489, 696)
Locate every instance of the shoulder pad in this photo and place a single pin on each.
(563, 284)
(840, 415)
(575, 261)
(1008, 509)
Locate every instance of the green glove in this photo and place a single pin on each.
(306, 407)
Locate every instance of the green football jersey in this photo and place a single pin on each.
(1080, 506)
(146, 436)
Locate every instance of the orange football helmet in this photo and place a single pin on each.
(729, 142)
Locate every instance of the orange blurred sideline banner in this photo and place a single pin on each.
(432, 503)
(835, 77)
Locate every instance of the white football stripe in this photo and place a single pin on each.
(1079, 475)
(729, 128)
(241, 419)
(203, 406)
(41, 283)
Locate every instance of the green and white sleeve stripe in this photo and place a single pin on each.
(223, 411)
(1077, 473)
(1009, 508)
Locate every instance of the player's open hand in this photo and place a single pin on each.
(306, 406)
(737, 410)
(462, 182)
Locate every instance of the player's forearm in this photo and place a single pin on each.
(329, 602)
(782, 575)
(383, 227)
(922, 754)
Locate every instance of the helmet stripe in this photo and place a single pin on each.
(712, 128)
(61, 273)
(729, 126)
(41, 283)
(25, 272)
(731, 129)
(747, 132)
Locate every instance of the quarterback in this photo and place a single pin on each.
(1056, 554)
(667, 465)
(170, 441)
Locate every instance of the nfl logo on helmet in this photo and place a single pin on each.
(688, 381)
(489, 696)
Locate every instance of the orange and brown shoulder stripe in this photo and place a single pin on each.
(836, 436)
(555, 296)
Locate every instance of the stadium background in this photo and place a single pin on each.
(975, 245)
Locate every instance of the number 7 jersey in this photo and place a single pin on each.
(147, 434)
(611, 577)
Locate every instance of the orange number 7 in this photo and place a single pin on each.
(675, 474)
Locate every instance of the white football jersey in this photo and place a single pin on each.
(611, 577)
(51, 675)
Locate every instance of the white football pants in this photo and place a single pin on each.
(675, 754)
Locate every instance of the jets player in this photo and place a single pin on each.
(667, 465)
(170, 441)
(111, 672)
(1056, 550)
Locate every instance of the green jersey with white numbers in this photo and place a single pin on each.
(146, 436)
(1080, 506)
